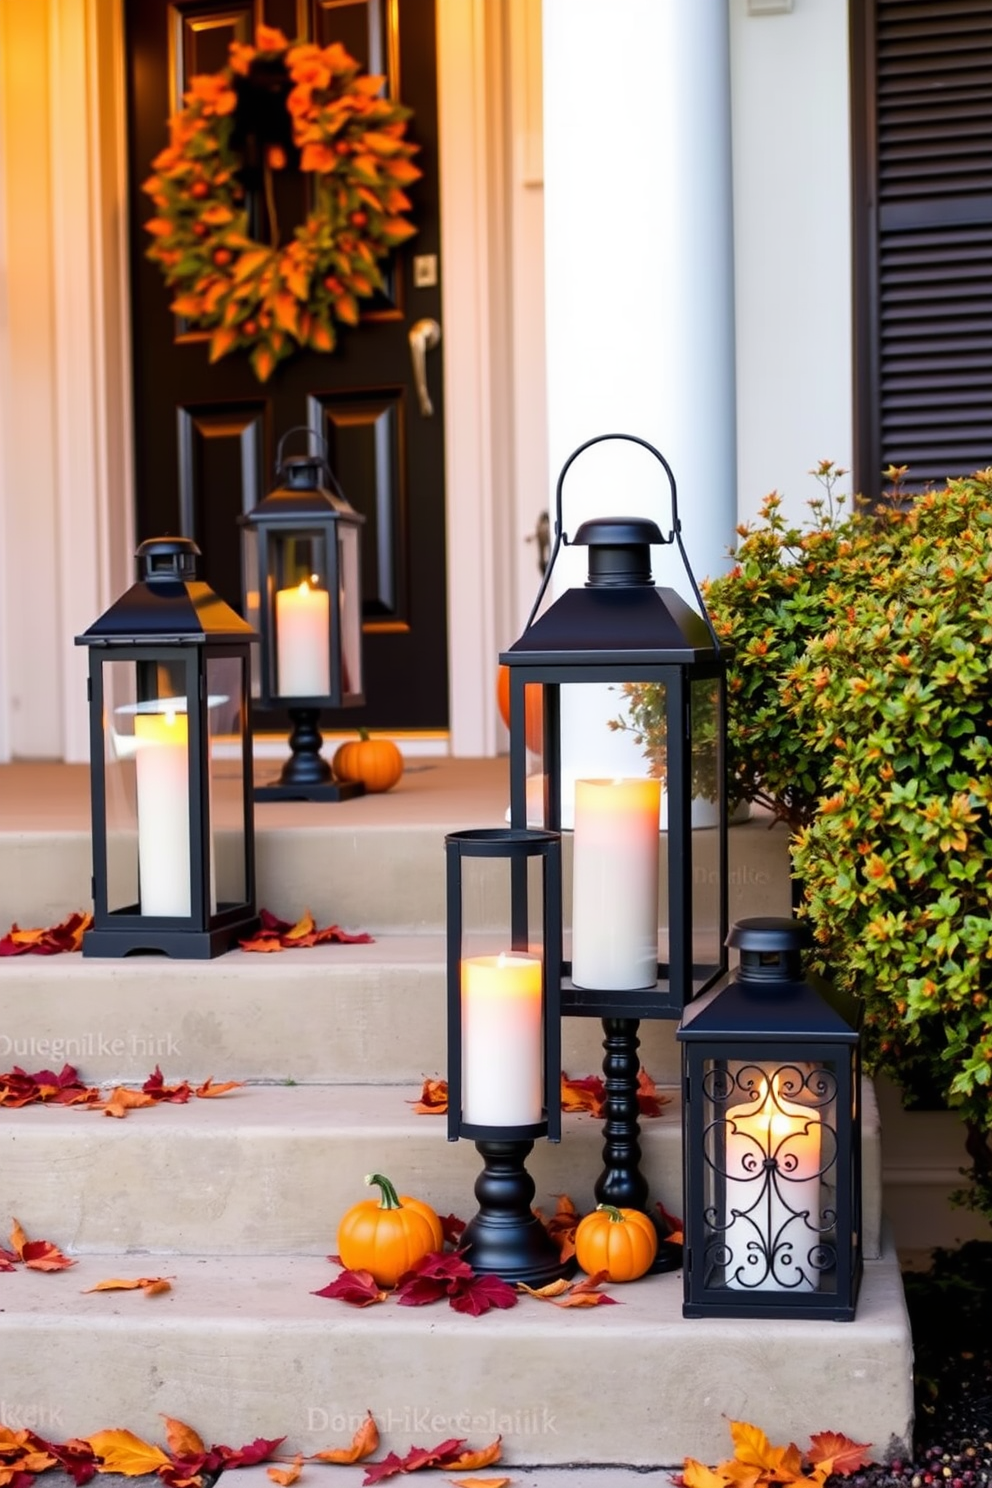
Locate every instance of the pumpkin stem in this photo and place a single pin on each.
(389, 1198)
(611, 1209)
(363, 734)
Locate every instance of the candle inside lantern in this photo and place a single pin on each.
(303, 644)
(162, 778)
(615, 884)
(502, 1040)
(772, 1193)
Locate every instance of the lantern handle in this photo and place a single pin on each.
(332, 480)
(675, 535)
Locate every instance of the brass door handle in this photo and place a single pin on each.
(423, 336)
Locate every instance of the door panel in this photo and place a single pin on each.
(363, 440)
(206, 436)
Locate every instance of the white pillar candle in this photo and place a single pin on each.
(303, 641)
(502, 1040)
(161, 758)
(615, 884)
(769, 1239)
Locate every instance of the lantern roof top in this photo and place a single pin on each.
(740, 1010)
(309, 493)
(168, 603)
(635, 624)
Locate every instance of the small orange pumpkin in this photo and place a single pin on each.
(388, 1235)
(621, 1242)
(377, 763)
(533, 709)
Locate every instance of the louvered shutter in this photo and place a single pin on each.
(922, 100)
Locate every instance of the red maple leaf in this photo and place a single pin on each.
(452, 1228)
(248, 1456)
(431, 1279)
(650, 1100)
(445, 1454)
(273, 922)
(155, 1085)
(481, 1294)
(378, 1472)
(341, 937)
(76, 1457)
(357, 1287)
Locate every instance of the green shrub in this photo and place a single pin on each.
(860, 687)
(895, 698)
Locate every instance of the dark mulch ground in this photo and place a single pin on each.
(950, 1307)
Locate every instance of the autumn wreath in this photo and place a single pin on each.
(276, 105)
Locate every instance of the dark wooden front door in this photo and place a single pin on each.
(206, 436)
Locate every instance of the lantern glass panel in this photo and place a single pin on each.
(502, 992)
(706, 766)
(770, 1201)
(351, 609)
(301, 611)
(227, 767)
(147, 787)
(253, 600)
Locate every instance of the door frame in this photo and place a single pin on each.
(87, 362)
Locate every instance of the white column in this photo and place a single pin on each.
(65, 499)
(639, 277)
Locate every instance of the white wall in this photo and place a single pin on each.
(792, 247)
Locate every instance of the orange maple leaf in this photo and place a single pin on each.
(286, 1475)
(305, 925)
(484, 1457)
(480, 1482)
(123, 1452)
(698, 1475)
(433, 1099)
(123, 1100)
(545, 1293)
(838, 1452)
(586, 1094)
(753, 1449)
(208, 1089)
(264, 940)
(182, 1440)
(151, 1286)
(363, 1444)
(37, 1255)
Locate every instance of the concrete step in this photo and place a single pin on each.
(241, 1348)
(374, 863)
(270, 1170)
(330, 1013)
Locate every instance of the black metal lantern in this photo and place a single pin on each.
(772, 1137)
(170, 765)
(649, 860)
(301, 573)
(504, 1034)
